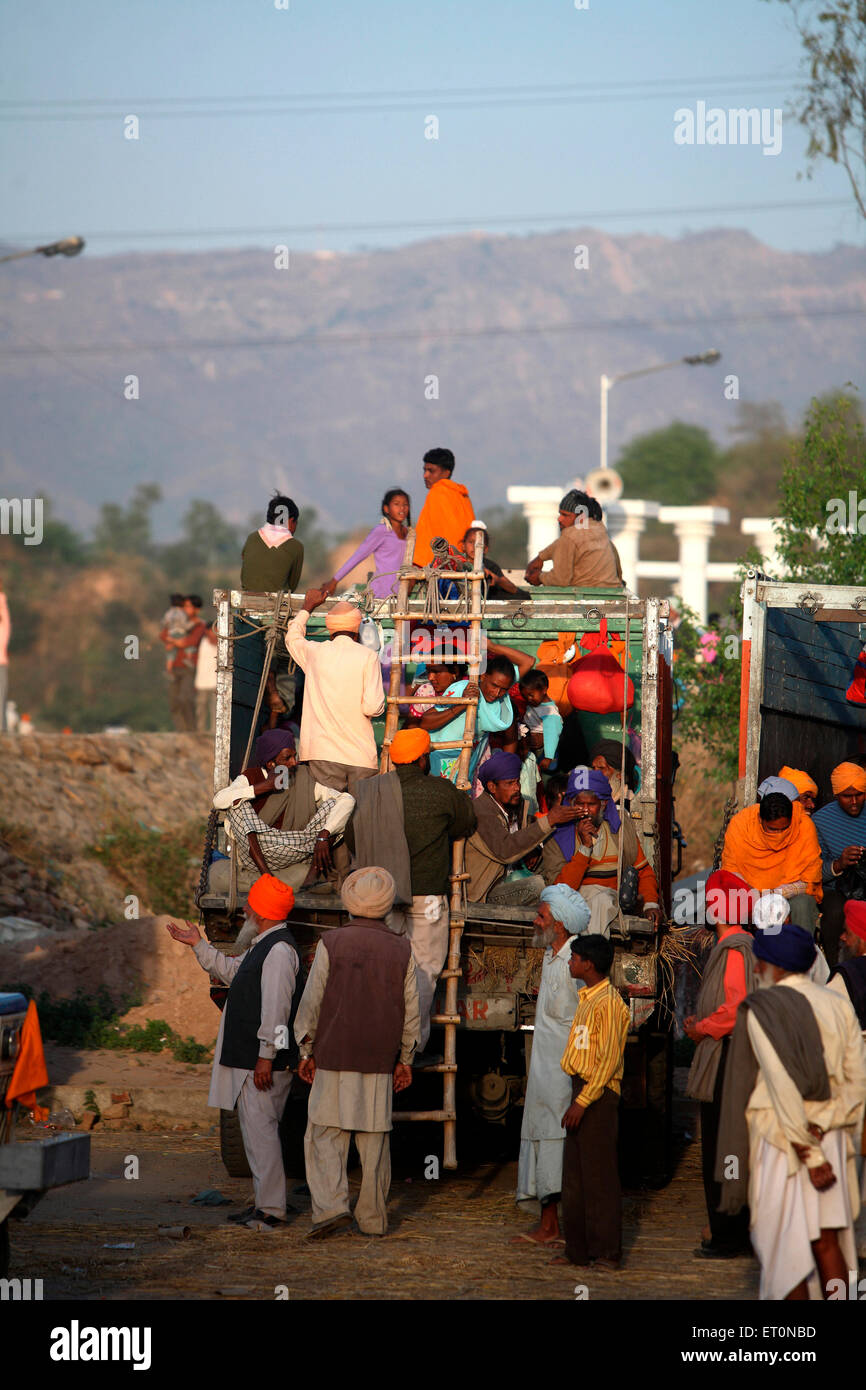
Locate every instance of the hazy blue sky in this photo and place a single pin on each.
(532, 156)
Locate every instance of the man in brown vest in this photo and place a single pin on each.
(357, 1027)
(729, 975)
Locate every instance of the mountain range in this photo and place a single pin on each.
(219, 375)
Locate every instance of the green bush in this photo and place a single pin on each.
(162, 866)
(93, 1021)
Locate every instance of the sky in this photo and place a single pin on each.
(302, 122)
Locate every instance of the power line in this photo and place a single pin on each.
(194, 345)
(568, 219)
(383, 107)
(417, 93)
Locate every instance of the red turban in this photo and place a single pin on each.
(728, 899)
(855, 918)
(408, 745)
(270, 898)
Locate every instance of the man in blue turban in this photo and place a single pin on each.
(791, 1120)
(562, 914)
(504, 852)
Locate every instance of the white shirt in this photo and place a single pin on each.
(279, 973)
(342, 693)
(548, 1090)
(206, 665)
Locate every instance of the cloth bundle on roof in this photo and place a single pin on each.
(598, 684)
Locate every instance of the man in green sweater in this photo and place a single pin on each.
(272, 559)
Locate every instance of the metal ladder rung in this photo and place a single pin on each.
(431, 1116)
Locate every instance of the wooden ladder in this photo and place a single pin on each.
(401, 656)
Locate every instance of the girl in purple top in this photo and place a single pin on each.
(386, 545)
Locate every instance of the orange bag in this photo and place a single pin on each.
(548, 659)
(598, 684)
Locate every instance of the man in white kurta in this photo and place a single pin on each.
(259, 1092)
(802, 1180)
(357, 1027)
(562, 914)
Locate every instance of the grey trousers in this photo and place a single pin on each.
(326, 1151)
(340, 777)
(260, 1113)
(205, 711)
(425, 921)
(521, 892)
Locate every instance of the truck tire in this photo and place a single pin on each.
(232, 1150)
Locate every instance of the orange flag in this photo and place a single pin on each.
(30, 1072)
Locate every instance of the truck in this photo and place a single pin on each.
(500, 969)
(801, 644)
(28, 1169)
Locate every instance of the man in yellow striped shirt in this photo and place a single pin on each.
(593, 1058)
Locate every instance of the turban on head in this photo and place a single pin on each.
(270, 898)
(272, 742)
(801, 780)
(369, 893)
(788, 946)
(587, 779)
(855, 917)
(343, 617)
(408, 745)
(571, 501)
(770, 911)
(728, 898)
(568, 907)
(500, 767)
(777, 786)
(848, 775)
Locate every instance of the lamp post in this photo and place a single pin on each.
(68, 246)
(693, 360)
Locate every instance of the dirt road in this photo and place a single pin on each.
(449, 1238)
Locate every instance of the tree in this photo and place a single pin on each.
(833, 107)
(127, 531)
(822, 534)
(676, 465)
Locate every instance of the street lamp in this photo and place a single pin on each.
(694, 360)
(68, 246)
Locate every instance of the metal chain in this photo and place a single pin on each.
(209, 841)
(730, 808)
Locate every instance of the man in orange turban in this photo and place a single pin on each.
(806, 788)
(255, 1047)
(841, 827)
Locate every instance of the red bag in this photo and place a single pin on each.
(856, 692)
(597, 684)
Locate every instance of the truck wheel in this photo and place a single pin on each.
(232, 1150)
(4, 1248)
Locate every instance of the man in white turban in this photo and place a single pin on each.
(562, 914)
(357, 1028)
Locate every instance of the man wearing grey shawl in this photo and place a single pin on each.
(562, 914)
(792, 1105)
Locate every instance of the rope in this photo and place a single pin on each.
(626, 656)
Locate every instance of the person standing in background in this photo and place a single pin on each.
(182, 667)
(206, 682)
(5, 634)
(385, 545)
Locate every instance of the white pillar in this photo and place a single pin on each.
(761, 530)
(694, 528)
(626, 522)
(541, 509)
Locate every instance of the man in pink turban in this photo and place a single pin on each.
(342, 694)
